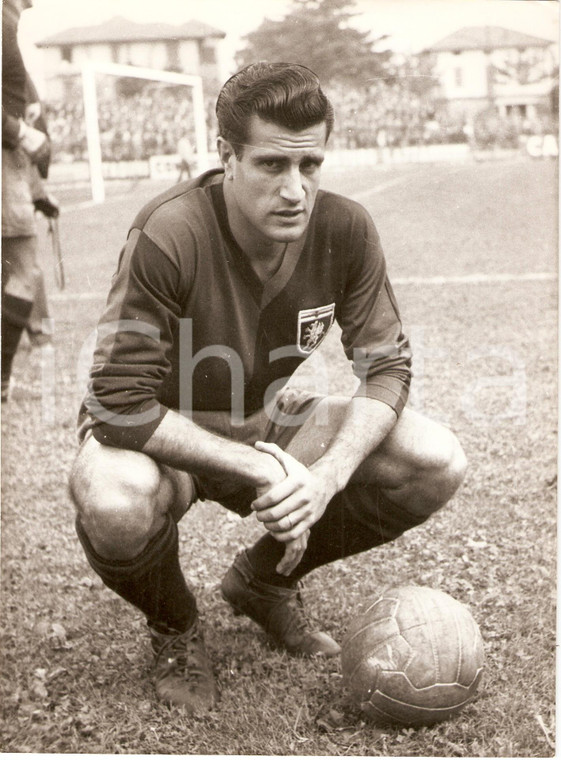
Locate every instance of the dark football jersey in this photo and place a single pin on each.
(189, 325)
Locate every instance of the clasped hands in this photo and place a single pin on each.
(289, 507)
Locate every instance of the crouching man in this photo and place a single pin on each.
(227, 282)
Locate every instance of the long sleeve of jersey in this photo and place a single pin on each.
(372, 333)
(135, 339)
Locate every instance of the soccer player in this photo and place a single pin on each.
(226, 284)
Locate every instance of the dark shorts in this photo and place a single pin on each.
(357, 518)
(292, 408)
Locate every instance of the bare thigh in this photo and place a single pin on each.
(419, 465)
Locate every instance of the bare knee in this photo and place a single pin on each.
(442, 471)
(420, 466)
(120, 497)
(453, 467)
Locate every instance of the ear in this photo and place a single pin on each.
(226, 155)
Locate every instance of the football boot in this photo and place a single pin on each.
(278, 610)
(182, 671)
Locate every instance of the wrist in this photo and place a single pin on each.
(331, 474)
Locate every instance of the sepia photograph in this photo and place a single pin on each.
(279, 378)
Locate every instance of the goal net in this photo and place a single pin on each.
(132, 112)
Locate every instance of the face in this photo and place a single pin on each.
(271, 188)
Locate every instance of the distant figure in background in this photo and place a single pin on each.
(186, 158)
(25, 161)
(37, 329)
(381, 142)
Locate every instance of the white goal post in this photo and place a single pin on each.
(89, 71)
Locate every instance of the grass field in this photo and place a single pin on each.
(75, 674)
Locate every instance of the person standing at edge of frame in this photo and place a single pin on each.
(25, 162)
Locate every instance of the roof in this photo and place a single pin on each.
(485, 38)
(119, 29)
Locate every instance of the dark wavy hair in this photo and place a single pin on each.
(287, 94)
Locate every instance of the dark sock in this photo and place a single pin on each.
(153, 581)
(15, 313)
(264, 556)
(341, 532)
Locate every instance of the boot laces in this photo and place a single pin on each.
(298, 621)
(182, 653)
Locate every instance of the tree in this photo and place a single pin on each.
(318, 34)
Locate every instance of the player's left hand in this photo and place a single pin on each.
(293, 553)
(291, 507)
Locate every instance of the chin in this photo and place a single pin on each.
(290, 237)
(288, 234)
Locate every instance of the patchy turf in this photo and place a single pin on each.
(75, 672)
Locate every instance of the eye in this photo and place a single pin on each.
(310, 165)
(271, 164)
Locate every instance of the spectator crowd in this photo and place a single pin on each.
(134, 127)
(385, 114)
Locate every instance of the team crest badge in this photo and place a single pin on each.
(313, 326)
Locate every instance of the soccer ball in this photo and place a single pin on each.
(413, 657)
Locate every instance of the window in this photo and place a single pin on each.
(208, 54)
(173, 62)
(66, 53)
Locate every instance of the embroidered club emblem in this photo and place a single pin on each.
(313, 326)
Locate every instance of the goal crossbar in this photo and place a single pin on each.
(89, 71)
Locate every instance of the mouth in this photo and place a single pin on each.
(290, 213)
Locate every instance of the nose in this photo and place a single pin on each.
(292, 189)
